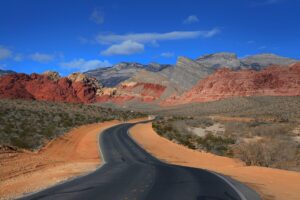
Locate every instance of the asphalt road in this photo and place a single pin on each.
(129, 172)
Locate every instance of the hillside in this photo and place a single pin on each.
(225, 83)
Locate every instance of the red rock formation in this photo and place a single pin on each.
(143, 92)
(44, 87)
(224, 83)
(74, 88)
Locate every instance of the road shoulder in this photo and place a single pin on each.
(270, 183)
(74, 154)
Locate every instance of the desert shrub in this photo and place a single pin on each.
(270, 152)
(29, 124)
(174, 130)
(219, 145)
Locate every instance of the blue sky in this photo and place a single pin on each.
(77, 35)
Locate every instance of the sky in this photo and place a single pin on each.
(79, 35)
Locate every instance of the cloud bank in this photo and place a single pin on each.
(127, 47)
(128, 44)
(150, 37)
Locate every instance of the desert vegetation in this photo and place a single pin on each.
(256, 142)
(30, 124)
(279, 109)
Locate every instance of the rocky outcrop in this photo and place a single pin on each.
(225, 83)
(50, 87)
(52, 75)
(132, 91)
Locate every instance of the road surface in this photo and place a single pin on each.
(129, 172)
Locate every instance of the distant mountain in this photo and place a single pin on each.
(230, 60)
(4, 72)
(112, 76)
(225, 83)
(188, 72)
(217, 60)
(260, 61)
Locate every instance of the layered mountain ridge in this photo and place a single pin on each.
(207, 78)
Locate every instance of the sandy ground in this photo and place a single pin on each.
(270, 183)
(76, 153)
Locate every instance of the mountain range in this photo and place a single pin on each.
(187, 72)
(207, 78)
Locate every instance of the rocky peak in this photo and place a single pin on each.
(52, 75)
(78, 77)
(261, 61)
(217, 60)
(128, 65)
(221, 55)
(187, 64)
(91, 82)
(156, 67)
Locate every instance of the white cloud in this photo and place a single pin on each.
(97, 16)
(167, 54)
(85, 65)
(191, 19)
(125, 48)
(5, 53)
(41, 57)
(150, 37)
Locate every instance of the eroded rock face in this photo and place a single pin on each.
(224, 83)
(128, 91)
(50, 87)
(52, 75)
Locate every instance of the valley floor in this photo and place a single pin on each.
(270, 183)
(73, 154)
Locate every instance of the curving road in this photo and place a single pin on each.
(129, 172)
